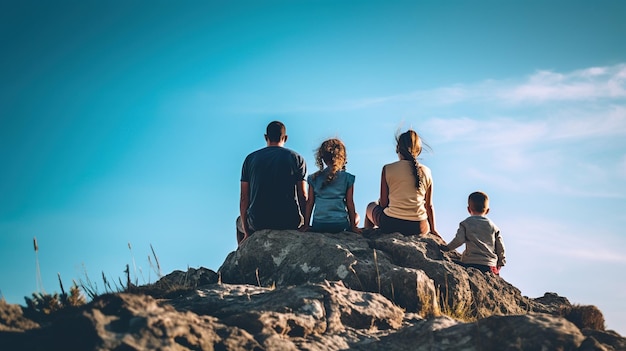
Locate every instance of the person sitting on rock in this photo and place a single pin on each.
(484, 247)
(406, 190)
(331, 192)
(273, 186)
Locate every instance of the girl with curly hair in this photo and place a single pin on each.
(331, 192)
(406, 190)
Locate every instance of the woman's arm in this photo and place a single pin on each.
(430, 210)
(384, 190)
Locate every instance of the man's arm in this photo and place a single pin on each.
(310, 202)
(244, 202)
(302, 196)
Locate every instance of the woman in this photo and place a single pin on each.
(406, 191)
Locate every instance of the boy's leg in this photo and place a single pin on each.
(481, 267)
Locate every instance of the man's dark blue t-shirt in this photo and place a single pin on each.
(272, 173)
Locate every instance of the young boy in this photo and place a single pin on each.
(484, 248)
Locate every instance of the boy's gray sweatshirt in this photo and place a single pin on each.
(483, 243)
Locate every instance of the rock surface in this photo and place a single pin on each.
(286, 290)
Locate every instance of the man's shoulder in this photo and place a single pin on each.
(255, 153)
(274, 150)
(292, 152)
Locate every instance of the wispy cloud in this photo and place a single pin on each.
(586, 84)
(621, 167)
(543, 86)
(437, 96)
(583, 123)
(556, 240)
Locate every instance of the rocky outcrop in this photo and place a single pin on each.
(410, 271)
(286, 290)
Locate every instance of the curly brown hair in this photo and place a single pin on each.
(332, 152)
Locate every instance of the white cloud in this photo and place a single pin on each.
(574, 157)
(582, 124)
(544, 86)
(591, 83)
(592, 122)
(560, 241)
(621, 167)
(438, 96)
(499, 131)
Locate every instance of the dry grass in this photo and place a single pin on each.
(459, 310)
(377, 272)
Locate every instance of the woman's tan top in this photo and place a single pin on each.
(406, 201)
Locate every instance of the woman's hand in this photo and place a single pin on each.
(434, 232)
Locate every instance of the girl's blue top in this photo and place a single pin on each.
(330, 200)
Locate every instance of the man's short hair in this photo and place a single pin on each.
(275, 131)
(478, 201)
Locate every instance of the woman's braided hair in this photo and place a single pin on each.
(332, 152)
(409, 146)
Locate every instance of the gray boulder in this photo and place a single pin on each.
(410, 271)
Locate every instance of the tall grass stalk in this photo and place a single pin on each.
(158, 265)
(377, 273)
(37, 269)
(90, 288)
(356, 275)
(132, 257)
(107, 285)
(61, 284)
(128, 283)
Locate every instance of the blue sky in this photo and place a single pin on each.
(127, 122)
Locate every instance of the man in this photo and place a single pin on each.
(273, 186)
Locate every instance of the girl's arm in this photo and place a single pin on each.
(310, 201)
(351, 210)
(384, 191)
(430, 210)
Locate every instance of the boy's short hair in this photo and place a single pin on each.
(478, 201)
(275, 131)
